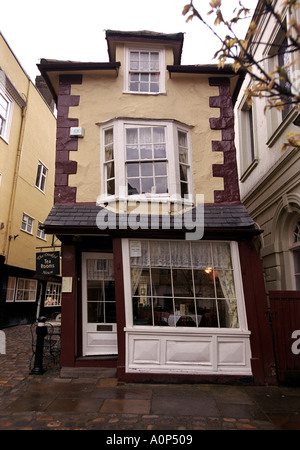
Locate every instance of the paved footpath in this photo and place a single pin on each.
(53, 402)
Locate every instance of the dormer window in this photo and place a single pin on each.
(144, 73)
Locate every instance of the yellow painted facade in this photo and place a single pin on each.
(186, 100)
(31, 139)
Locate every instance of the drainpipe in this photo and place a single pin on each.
(15, 178)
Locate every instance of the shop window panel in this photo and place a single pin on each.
(142, 311)
(207, 313)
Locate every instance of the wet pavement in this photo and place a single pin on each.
(55, 402)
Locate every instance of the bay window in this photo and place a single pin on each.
(184, 284)
(149, 158)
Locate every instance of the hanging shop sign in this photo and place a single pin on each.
(47, 263)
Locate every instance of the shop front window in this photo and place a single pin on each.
(182, 284)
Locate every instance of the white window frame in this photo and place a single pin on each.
(171, 127)
(11, 290)
(41, 177)
(162, 76)
(41, 232)
(5, 129)
(243, 327)
(28, 222)
(20, 292)
(53, 295)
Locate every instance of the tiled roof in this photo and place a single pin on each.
(79, 217)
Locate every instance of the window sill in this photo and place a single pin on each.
(27, 232)
(42, 239)
(193, 330)
(144, 198)
(249, 170)
(145, 93)
(280, 129)
(43, 192)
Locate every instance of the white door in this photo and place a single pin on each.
(99, 305)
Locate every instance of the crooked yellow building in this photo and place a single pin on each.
(160, 276)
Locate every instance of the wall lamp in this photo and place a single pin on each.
(10, 237)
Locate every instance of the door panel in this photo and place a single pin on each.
(99, 304)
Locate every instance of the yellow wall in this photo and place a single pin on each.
(186, 100)
(36, 141)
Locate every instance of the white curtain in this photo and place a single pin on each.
(223, 265)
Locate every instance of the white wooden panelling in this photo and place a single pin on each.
(188, 352)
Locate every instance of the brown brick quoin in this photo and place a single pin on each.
(64, 194)
(224, 123)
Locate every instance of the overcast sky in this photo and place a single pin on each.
(75, 29)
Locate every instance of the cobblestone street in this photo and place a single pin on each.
(50, 401)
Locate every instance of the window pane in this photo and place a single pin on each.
(154, 78)
(228, 313)
(146, 151)
(131, 135)
(147, 184)
(110, 170)
(159, 254)
(145, 135)
(37, 182)
(184, 190)
(183, 283)
(207, 313)
(95, 312)
(108, 136)
(146, 169)
(133, 186)
(159, 151)
(204, 284)
(180, 254)
(142, 311)
(158, 135)
(183, 173)
(221, 255)
(161, 282)
(225, 284)
(201, 255)
(154, 87)
(145, 78)
(133, 170)
(110, 312)
(132, 152)
(160, 168)
(143, 259)
(161, 185)
(140, 281)
(144, 87)
(185, 313)
(109, 153)
(134, 86)
(111, 187)
(163, 312)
